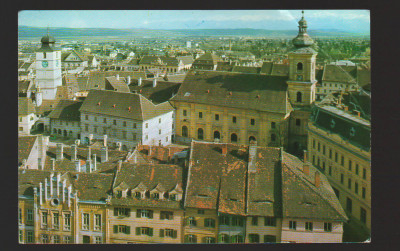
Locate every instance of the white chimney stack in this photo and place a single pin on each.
(117, 77)
(140, 82)
(59, 151)
(154, 82)
(128, 80)
(104, 155)
(40, 193)
(64, 185)
(51, 184)
(53, 164)
(74, 152)
(45, 189)
(105, 140)
(88, 165)
(78, 165)
(69, 195)
(94, 162)
(89, 155)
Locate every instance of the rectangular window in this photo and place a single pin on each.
(122, 229)
(200, 115)
(234, 119)
(56, 239)
(95, 119)
(159, 131)
(313, 143)
(97, 240)
(20, 216)
(341, 178)
(349, 183)
(254, 221)
(356, 169)
(95, 129)
(330, 153)
(44, 238)
(319, 147)
(200, 211)
(166, 215)
(114, 122)
(21, 236)
(356, 187)
(44, 220)
(252, 122)
(327, 227)
(364, 173)
(273, 125)
(330, 171)
(309, 226)
(190, 238)
(254, 238)
(56, 220)
(146, 231)
(147, 125)
(217, 117)
(97, 222)
(363, 191)
(124, 124)
(144, 213)
(134, 136)
(191, 221)
(170, 233)
(298, 122)
(209, 222)
(67, 239)
(224, 220)
(134, 125)
(67, 222)
(269, 238)
(121, 211)
(349, 205)
(85, 221)
(270, 221)
(237, 221)
(104, 130)
(146, 137)
(350, 165)
(323, 149)
(159, 120)
(363, 215)
(336, 157)
(29, 236)
(342, 161)
(292, 225)
(104, 120)
(184, 113)
(86, 117)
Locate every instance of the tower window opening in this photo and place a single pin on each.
(300, 66)
(299, 98)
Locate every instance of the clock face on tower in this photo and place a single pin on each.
(45, 64)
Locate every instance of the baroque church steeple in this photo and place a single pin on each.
(302, 39)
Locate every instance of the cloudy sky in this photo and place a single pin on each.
(346, 20)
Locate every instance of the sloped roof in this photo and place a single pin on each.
(112, 83)
(66, 110)
(186, 59)
(266, 68)
(24, 86)
(82, 57)
(340, 73)
(208, 58)
(169, 61)
(158, 154)
(25, 144)
(30, 178)
(302, 199)
(91, 186)
(163, 91)
(246, 69)
(25, 106)
(140, 107)
(239, 90)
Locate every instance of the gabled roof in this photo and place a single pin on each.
(163, 91)
(238, 90)
(25, 145)
(66, 110)
(118, 103)
(25, 106)
(208, 58)
(91, 186)
(340, 73)
(65, 55)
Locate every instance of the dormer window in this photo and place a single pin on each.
(333, 123)
(166, 195)
(156, 196)
(119, 194)
(352, 132)
(172, 197)
(138, 195)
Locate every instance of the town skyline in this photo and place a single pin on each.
(347, 20)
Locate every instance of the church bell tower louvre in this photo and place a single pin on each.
(48, 67)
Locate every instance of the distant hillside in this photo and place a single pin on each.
(26, 32)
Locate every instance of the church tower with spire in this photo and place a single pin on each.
(48, 67)
(301, 86)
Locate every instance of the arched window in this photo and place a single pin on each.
(184, 131)
(251, 139)
(299, 97)
(200, 133)
(299, 66)
(55, 130)
(273, 137)
(217, 135)
(234, 137)
(59, 131)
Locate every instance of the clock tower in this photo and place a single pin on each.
(48, 67)
(301, 87)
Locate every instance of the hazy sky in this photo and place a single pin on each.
(348, 20)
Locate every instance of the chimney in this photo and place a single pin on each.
(317, 179)
(74, 152)
(104, 155)
(119, 145)
(90, 139)
(89, 154)
(77, 142)
(94, 162)
(117, 76)
(88, 165)
(59, 151)
(128, 80)
(224, 149)
(78, 165)
(53, 164)
(305, 156)
(105, 140)
(357, 113)
(306, 169)
(154, 83)
(140, 82)
(150, 150)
